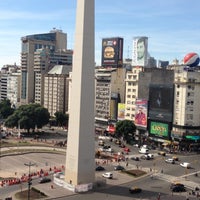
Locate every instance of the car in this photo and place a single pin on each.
(134, 190)
(122, 145)
(162, 153)
(143, 150)
(151, 156)
(108, 175)
(176, 184)
(44, 180)
(101, 143)
(185, 164)
(170, 160)
(126, 149)
(135, 158)
(175, 158)
(118, 142)
(119, 168)
(99, 168)
(177, 187)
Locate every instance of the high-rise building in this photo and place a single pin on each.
(53, 41)
(10, 77)
(44, 60)
(56, 84)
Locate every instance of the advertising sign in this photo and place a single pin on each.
(161, 102)
(121, 111)
(112, 52)
(141, 113)
(140, 51)
(159, 129)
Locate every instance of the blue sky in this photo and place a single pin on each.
(172, 26)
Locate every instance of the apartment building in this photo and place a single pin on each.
(44, 61)
(186, 123)
(56, 89)
(53, 41)
(110, 90)
(10, 77)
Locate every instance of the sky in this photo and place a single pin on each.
(172, 26)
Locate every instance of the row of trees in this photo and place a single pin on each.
(28, 116)
(31, 116)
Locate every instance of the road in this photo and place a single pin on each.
(151, 187)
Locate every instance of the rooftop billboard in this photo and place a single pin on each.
(140, 51)
(112, 52)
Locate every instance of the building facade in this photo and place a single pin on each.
(56, 86)
(54, 40)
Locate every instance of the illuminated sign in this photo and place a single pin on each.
(159, 129)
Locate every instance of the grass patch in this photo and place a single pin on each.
(135, 172)
(34, 194)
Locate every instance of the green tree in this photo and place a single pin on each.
(61, 118)
(28, 117)
(125, 129)
(5, 108)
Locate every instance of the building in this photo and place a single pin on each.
(44, 61)
(56, 85)
(172, 108)
(10, 84)
(110, 90)
(53, 41)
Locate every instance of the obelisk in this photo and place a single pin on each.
(80, 154)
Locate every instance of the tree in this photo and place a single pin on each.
(28, 117)
(125, 129)
(5, 108)
(61, 118)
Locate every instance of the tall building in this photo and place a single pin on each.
(10, 77)
(140, 51)
(56, 84)
(110, 90)
(53, 41)
(45, 60)
(80, 161)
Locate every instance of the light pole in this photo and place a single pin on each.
(29, 177)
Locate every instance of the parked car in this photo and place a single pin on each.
(119, 168)
(126, 149)
(162, 153)
(170, 160)
(108, 175)
(143, 150)
(175, 158)
(135, 158)
(44, 180)
(134, 190)
(100, 168)
(118, 142)
(185, 164)
(101, 143)
(177, 187)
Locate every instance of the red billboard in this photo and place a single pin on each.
(141, 112)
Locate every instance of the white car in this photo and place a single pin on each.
(108, 175)
(185, 164)
(170, 160)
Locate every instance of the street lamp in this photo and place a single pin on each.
(29, 177)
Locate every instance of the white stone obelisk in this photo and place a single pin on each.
(80, 155)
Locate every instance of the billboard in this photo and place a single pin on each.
(141, 113)
(159, 129)
(161, 99)
(140, 51)
(112, 52)
(121, 111)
